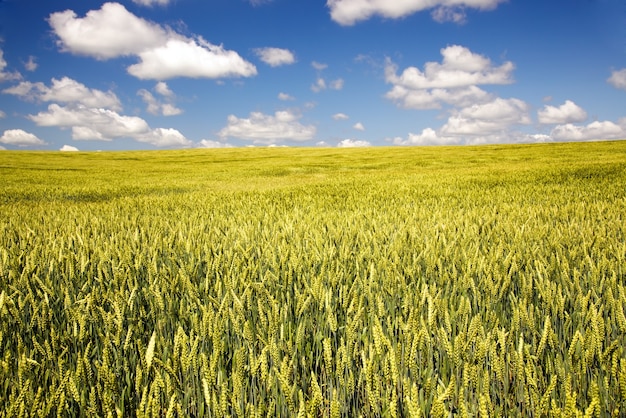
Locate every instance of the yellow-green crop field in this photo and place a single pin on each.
(377, 282)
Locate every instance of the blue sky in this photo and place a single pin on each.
(158, 74)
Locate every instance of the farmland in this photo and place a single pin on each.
(393, 282)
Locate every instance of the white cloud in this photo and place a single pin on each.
(109, 32)
(65, 90)
(336, 84)
(168, 109)
(275, 56)
(20, 138)
(7, 76)
(319, 66)
(568, 112)
(91, 123)
(105, 125)
(164, 137)
(285, 96)
(322, 144)
(428, 136)
(207, 143)
(453, 81)
(150, 3)
(490, 122)
(68, 148)
(348, 12)
(190, 58)
(359, 126)
(112, 31)
(2, 115)
(594, 130)
(268, 129)
(31, 64)
(352, 143)
(460, 67)
(434, 98)
(618, 79)
(162, 88)
(494, 117)
(320, 84)
(2, 148)
(449, 14)
(340, 116)
(155, 107)
(477, 132)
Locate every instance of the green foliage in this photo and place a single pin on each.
(394, 282)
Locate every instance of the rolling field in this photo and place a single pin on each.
(376, 282)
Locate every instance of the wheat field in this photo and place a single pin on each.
(379, 282)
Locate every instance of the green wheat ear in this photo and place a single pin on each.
(150, 350)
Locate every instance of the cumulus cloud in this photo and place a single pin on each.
(359, 126)
(449, 14)
(68, 148)
(477, 132)
(163, 89)
(320, 84)
(285, 96)
(340, 116)
(109, 32)
(460, 67)
(207, 143)
(453, 81)
(349, 12)
(434, 98)
(592, 131)
(353, 143)
(268, 129)
(4, 75)
(106, 125)
(496, 116)
(20, 138)
(428, 136)
(164, 137)
(568, 112)
(482, 123)
(31, 64)
(275, 57)
(112, 31)
(156, 107)
(618, 79)
(65, 90)
(319, 66)
(193, 58)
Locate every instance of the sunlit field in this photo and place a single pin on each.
(295, 282)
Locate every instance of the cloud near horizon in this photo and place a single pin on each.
(20, 138)
(106, 125)
(268, 129)
(566, 113)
